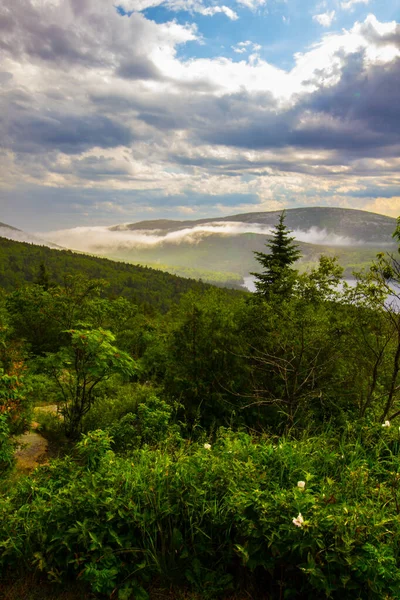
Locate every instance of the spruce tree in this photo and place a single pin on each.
(278, 275)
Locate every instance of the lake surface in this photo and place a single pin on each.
(392, 300)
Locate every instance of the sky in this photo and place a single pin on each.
(114, 112)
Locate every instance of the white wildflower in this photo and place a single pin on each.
(301, 484)
(386, 424)
(207, 446)
(298, 521)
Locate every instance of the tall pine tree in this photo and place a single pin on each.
(278, 275)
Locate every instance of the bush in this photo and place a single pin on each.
(7, 448)
(150, 425)
(113, 402)
(14, 403)
(42, 389)
(50, 425)
(214, 517)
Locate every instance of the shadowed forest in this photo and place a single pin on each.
(200, 442)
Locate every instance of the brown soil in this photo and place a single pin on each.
(33, 447)
(31, 452)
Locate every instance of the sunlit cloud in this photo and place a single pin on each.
(325, 19)
(350, 4)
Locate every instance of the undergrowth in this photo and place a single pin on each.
(316, 517)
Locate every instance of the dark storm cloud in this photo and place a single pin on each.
(25, 30)
(77, 34)
(370, 33)
(67, 133)
(359, 114)
(138, 68)
(93, 168)
(370, 97)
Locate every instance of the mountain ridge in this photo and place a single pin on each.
(220, 250)
(353, 223)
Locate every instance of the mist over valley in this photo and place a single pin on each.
(207, 247)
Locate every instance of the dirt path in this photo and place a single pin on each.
(33, 446)
(31, 452)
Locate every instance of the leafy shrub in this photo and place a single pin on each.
(14, 403)
(151, 424)
(42, 389)
(113, 403)
(50, 426)
(214, 516)
(6, 446)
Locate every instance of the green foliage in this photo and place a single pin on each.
(151, 424)
(219, 278)
(277, 275)
(202, 366)
(14, 404)
(295, 356)
(154, 290)
(51, 426)
(41, 389)
(79, 368)
(6, 446)
(294, 510)
(216, 517)
(41, 316)
(113, 400)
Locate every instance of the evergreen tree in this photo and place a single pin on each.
(43, 277)
(277, 275)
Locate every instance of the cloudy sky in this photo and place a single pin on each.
(116, 112)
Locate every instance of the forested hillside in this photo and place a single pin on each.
(20, 264)
(210, 444)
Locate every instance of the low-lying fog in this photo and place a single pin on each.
(21, 236)
(94, 239)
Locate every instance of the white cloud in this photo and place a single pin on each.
(168, 111)
(350, 4)
(252, 4)
(138, 5)
(213, 10)
(247, 46)
(325, 19)
(193, 6)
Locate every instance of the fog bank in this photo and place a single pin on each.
(97, 239)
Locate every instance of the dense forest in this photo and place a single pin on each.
(202, 442)
(146, 287)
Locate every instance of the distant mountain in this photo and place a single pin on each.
(12, 233)
(356, 225)
(221, 249)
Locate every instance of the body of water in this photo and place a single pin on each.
(392, 300)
